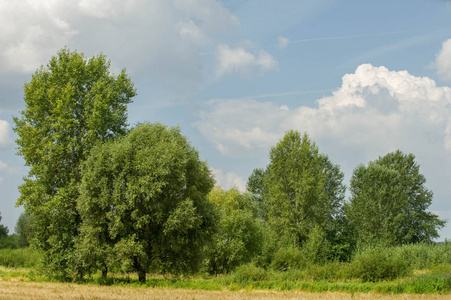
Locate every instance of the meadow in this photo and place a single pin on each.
(420, 269)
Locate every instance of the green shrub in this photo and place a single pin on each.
(17, 258)
(375, 265)
(330, 271)
(249, 272)
(288, 258)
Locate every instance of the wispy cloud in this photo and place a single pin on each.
(244, 63)
(353, 36)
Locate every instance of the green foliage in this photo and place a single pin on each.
(239, 238)
(249, 272)
(24, 229)
(376, 265)
(69, 106)
(304, 189)
(18, 258)
(144, 203)
(287, 258)
(389, 202)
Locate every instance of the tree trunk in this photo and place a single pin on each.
(104, 272)
(140, 269)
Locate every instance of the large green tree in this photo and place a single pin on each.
(304, 189)
(69, 106)
(144, 204)
(389, 202)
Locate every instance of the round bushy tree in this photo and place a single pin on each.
(144, 204)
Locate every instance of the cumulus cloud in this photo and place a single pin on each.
(26, 44)
(5, 129)
(374, 111)
(229, 180)
(242, 62)
(283, 42)
(160, 39)
(443, 61)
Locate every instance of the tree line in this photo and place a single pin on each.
(104, 197)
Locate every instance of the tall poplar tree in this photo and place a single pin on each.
(70, 105)
(389, 202)
(304, 189)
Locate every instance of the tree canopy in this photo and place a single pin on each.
(144, 203)
(389, 202)
(69, 106)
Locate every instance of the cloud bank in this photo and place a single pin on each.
(156, 38)
(375, 110)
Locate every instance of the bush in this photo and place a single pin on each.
(375, 265)
(19, 258)
(330, 271)
(249, 272)
(288, 258)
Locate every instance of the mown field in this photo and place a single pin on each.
(50, 290)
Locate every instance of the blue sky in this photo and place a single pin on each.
(363, 78)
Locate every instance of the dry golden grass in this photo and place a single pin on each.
(45, 290)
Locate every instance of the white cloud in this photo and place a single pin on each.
(242, 62)
(26, 44)
(239, 126)
(283, 42)
(104, 9)
(229, 180)
(189, 30)
(375, 110)
(158, 39)
(443, 61)
(5, 129)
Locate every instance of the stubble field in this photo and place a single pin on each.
(48, 290)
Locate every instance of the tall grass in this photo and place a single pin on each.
(423, 255)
